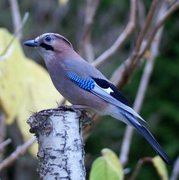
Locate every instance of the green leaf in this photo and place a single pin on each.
(160, 167)
(107, 167)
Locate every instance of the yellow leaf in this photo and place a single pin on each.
(12, 72)
(160, 167)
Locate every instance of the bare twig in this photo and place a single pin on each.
(26, 15)
(4, 144)
(146, 25)
(2, 131)
(125, 70)
(20, 150)
(158, 25)
(121, 38)
(122, 74)
(141, 13)
(142, 90)
(139, 165)
(16, 17)
(85, 44)
(2, 126)
(175, 172)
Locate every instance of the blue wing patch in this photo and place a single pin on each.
(86, 84)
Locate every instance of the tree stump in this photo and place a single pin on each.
(61, 148)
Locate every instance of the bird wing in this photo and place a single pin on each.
(106, 91)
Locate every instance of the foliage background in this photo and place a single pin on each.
(160, 108)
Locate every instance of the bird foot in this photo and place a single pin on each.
(86, 119)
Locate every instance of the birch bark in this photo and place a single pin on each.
(61, 148)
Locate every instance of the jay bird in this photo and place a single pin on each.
(82, 84)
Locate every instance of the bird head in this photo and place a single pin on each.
(49, 44)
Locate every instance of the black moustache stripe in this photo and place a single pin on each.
(47, 47)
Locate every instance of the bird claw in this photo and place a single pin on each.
(86, 119)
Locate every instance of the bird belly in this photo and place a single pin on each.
(78, 96)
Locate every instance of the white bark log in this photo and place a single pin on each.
(61, 149)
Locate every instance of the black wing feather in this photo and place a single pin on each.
(116, 93)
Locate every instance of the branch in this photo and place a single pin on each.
(121, 38)
(175, 172)
(61, 149)
(158, 25)
(85, 44)
(4, 144)
(7, 48)
(122, 74)
(146, 25)
(20, 150)
(141, 13)
(142, 91)
(2, 126)
(16, 17)
(139, 165)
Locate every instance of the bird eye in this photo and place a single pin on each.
(48, 38)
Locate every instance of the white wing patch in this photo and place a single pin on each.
(108, 90)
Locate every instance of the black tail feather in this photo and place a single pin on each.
(148, 136)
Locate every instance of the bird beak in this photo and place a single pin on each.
(31, 43)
